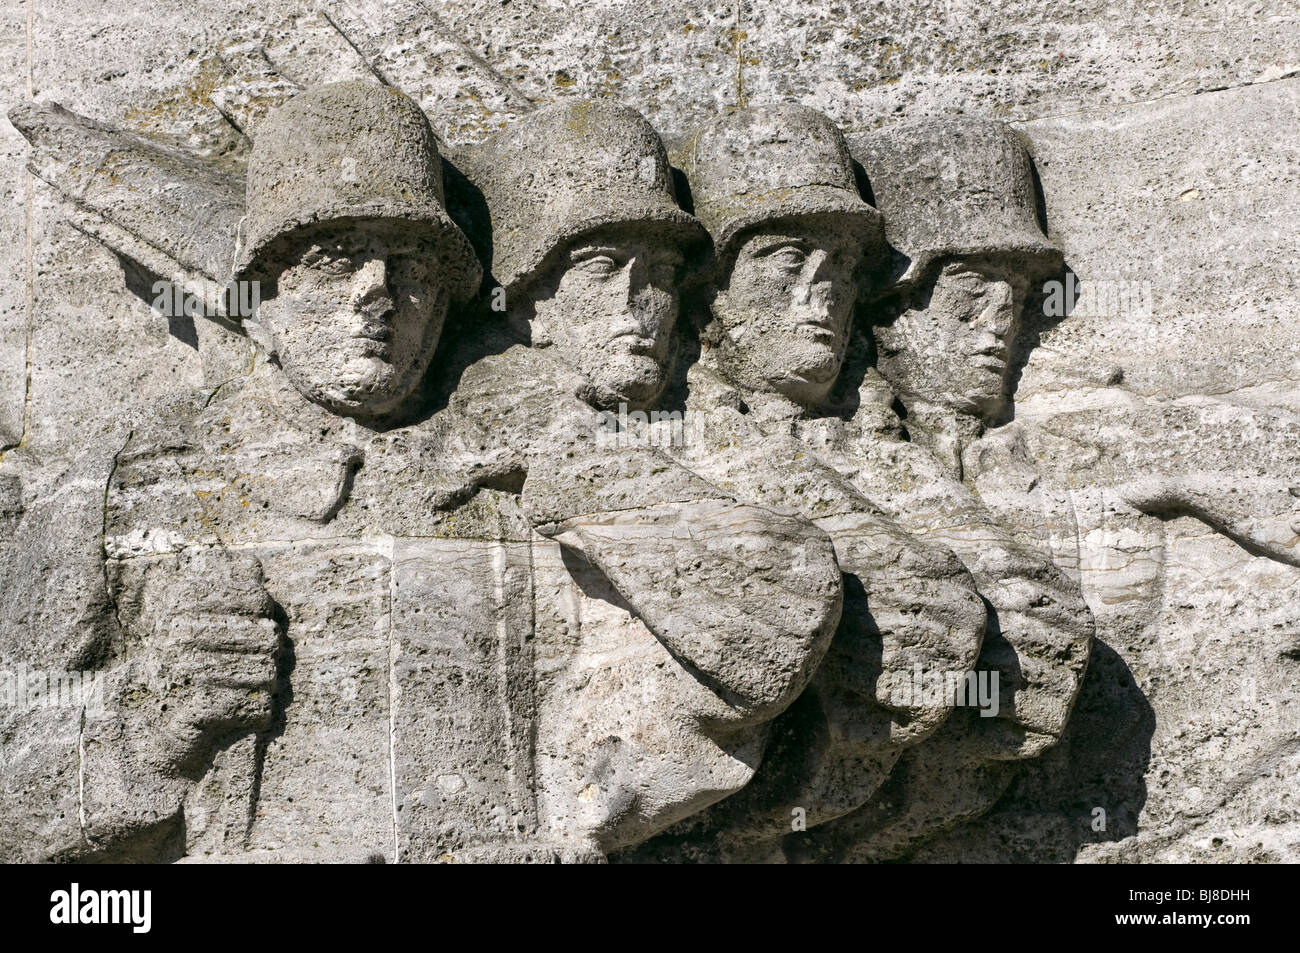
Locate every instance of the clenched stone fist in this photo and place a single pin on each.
(1039, 641)
(209, 650)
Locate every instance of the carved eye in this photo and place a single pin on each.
(788, 257)
(667, 261)
(665, 269)
(329, 262)
(846, 258)
(967, 281)
(407, 271)
(407, 265)
(338, 267)
(599, 265)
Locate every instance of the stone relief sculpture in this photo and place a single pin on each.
(960, 211)
(989, 256)
(588, 244)
(345, 211)
(1039, 627)
(266, 476)
(776, 188)
(393, 589)
(352, 326)
(958, 198)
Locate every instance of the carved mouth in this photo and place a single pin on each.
(822, 326)
(993, 356)
(375, 349)
(374, 339)
(632, 341)
(373, 327)
(820, 331)
(380, 333)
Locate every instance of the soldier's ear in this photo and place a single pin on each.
(532, 332)
(521, 318)
(259, 334)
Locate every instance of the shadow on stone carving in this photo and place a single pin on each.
(839, 371)
(1049, 812)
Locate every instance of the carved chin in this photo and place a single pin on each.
(984, 393)
(633, 378)
(990, 382)
(366, 385)
(813, 364)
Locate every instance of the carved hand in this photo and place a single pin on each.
(1039, 637)
(715, 582)
(210, 654)
(917, 606)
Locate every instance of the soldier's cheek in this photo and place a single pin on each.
(775, 317)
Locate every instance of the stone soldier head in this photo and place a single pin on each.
(347, 231)
(960, 213)
(776, 189)
(588, 242)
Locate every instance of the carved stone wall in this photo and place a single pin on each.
(655, 656)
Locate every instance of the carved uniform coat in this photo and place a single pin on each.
(447, 660)
(907, 603)
(672, 627)
(960, 769)
(403, 582)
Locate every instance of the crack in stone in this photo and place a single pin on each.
(737, 42)
(392, 682)
(321, 7)
(103, 543)
(499, 78)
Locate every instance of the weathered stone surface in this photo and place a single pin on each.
(873, 62)
(1219, 189)
(14, 194)
(1200, 430)
(648, 548)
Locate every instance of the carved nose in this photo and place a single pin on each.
(999, 311)
(636, 284)
(371, 282)
(649, 309)
(814, 287)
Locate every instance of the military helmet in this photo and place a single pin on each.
(349, 151)
(774, 162)
(567, 170)
(954, 186)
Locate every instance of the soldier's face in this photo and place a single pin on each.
(609, 309)
(356, 319)
(786, 305)
(955, 349)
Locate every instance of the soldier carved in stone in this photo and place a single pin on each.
(347, 233)
(960, 211)
(347, 226)
(959, 201)
(1039, 625)
(776, 189)
(357, 259)
(588, 242)
(369, 566)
